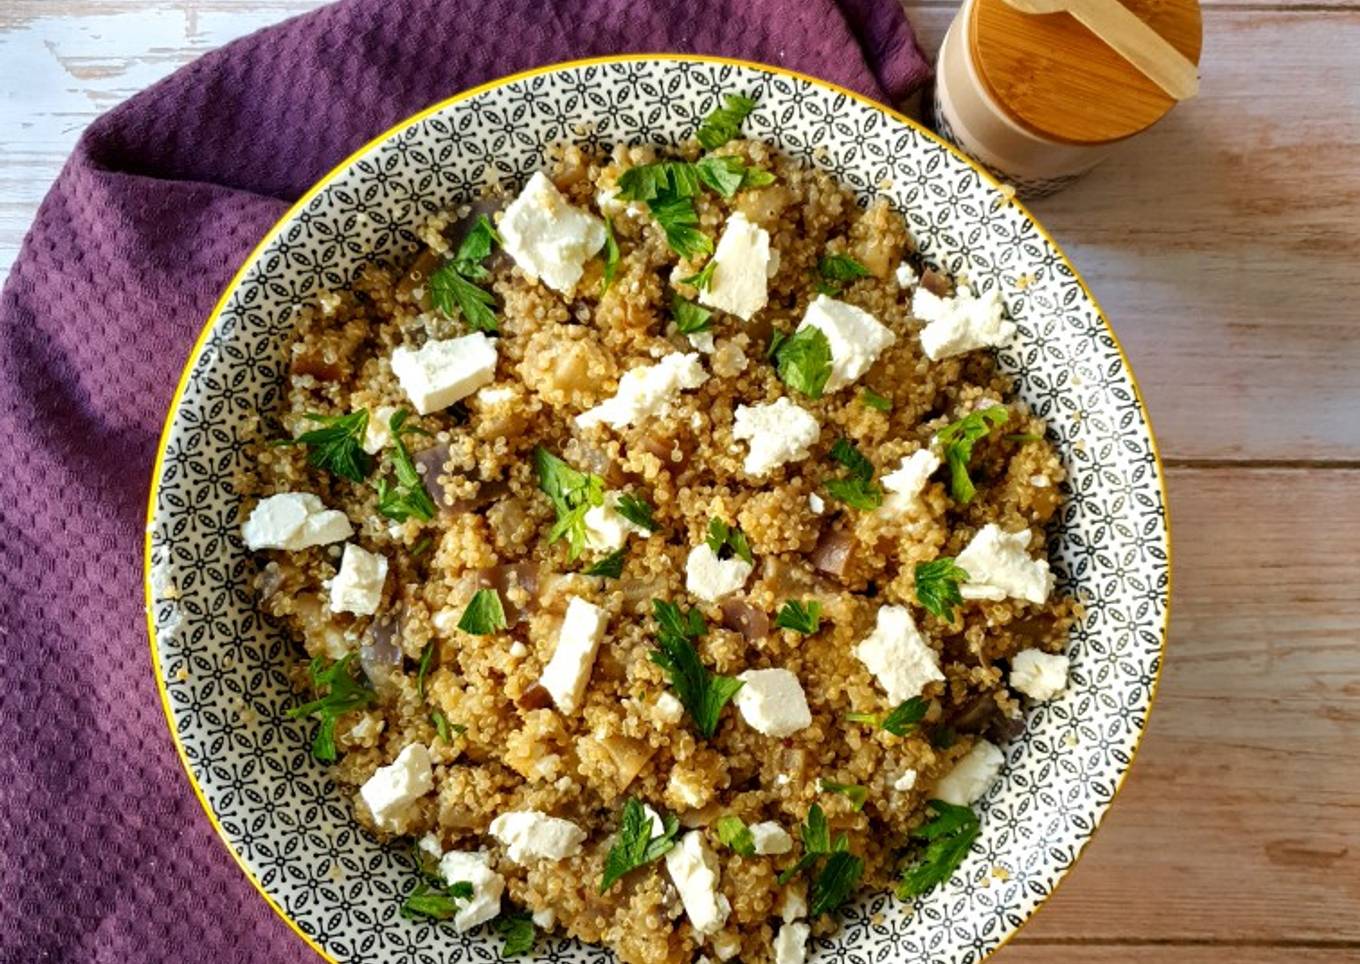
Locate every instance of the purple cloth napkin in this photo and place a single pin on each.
(104, 852)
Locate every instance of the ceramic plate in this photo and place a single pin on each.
(221, 667)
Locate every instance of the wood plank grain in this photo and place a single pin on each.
(1241, 818)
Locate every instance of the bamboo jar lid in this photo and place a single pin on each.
(1058, 80)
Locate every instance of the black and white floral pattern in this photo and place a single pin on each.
(223, 667)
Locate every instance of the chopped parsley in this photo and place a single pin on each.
(841, 872)
(856, 489)
(958, 440)
(703, 694)
(344, 692)
(727, 541)
(899, 721)
(838, 270)
(408, 497)
(572, 493)
(680, 223)
(426, 659)
(435, 901)
(724, 123)
(668, 188)
(948, 835)
(874, 400)
(338, 446)
(635, 846)
(454, 282)
(729, 174)
(703, 278)
(690, 318)
(611, 255)
(518, 932)
(937, 586)
(484, 614)
(803, 360)
(857, 795)
(801, 617)
(446, 730)
(732, 832)
(636, 510)
(611, 566)
(421, 547)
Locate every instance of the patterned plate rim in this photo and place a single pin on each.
(280, 225)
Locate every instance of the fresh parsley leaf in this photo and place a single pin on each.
(680, 223)
(703, 279)
(725, 122)
(834, 884)
(426, 659)
(449, 288)
(958, 440)
(572, 493)
(338, 446)
(838, 270)
(757, 177)
(636, 510)
(817, 843)
(690, 318)
(937, 586)
(858, 795)
(803, 618)
(477, 243)
(408, 496)
(949, 835)
(702, 693)
(434, 901)
(857, 489)
(611, 255)
(635, 846)
(845, 453)
(484, 614)
(345, 692)
(729, 174)
(519, 933)
(803, 360)
(735, 834)
(874, 400)
(727, 541)
(421, 547)
(611, 566)
(648, 182)
(900, 721)
(444, 728)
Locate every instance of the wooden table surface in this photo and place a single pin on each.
(1225, 248)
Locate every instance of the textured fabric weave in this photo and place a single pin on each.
(104, 853)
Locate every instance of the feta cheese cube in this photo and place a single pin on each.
(429, 844)
(906, 275)
(790, 945)
(972, 775)
(669, 709)
(816, 503)
(770, 838)
(606, 529)
(293, 521)
(694, 871)
(960, 323)
(855, 336)
(702, 341)
(393, 788)
(906, 781)
(440, 373)
(773, 702)
(1039, 675)
(567, 672)
(487, 887)
(794, 905)
(549, 239)
(711, 578)
(898, 655)
(646, 391)
(741, 269)
(358, 586)
(377, 434)
(778, 432)
(998, 565)
(532, 834)
(905, 483)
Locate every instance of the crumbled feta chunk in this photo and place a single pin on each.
(971, 776)
(545, 919)
(694, 870)
(1040, 481)
(606, 529)
(711, 578)
(440, 373)
(669, 709)
(376, 433)
(1039, 675)
(430, 844)
(790, 946)
(687, 791)
(496, 394)
(396, 786)
(855, 336)
(905, 483)
(741, 269)
(293, 521)
(549, 239)
(998, 565)
(487, 886)
(772, 702)
(906, 781)
(794, 905)
(778, 432)
(770, 838)
(566, 674)
(898, 655)
(646, 391)
(367, 728)
(702, 341)
(816, 503)
(906, 275)
(726, 945)
(960, 323)
(532, 834)
(358, 586)
(518, 650)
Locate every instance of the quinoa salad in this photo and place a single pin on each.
(666, 551)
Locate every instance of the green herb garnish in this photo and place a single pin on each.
(958, 440)
(900, 721)
(345, 692)
(733, 833)
(611, 566)
(668, 188)
(834, 884)
(426, 659)
(680, 223)
(338, 446)
(635, 846)
(690, 318)
(874, 400)
(611, 255)
(857, 489)
(453, 283)
(435, 901)
(702, 693)
(518, 931)
(727, 541)
(703, 279)
(636, 510)
(937, 586)
(858, 795)
(803, 360)
(724, 123)
(949, 835)
(408, 497)
(838, 270)
(484, 614)
(444, 728)
(572, 493)
(801, 617)
(421, 547)
(729, 174)
(817, 843)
